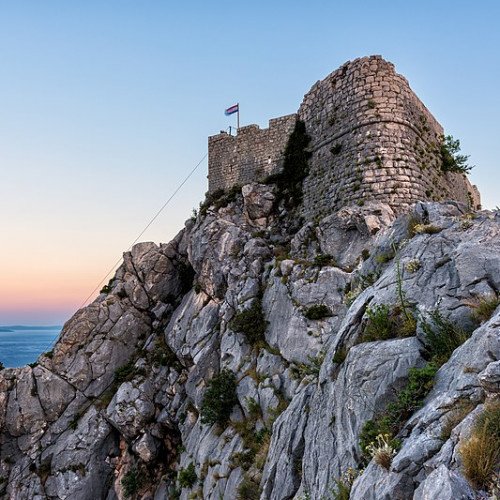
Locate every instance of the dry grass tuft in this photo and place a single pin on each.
(483, 306)
(481, 452)
(382, 451)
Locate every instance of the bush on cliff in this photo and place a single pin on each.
(442, 337)
(187, 477)
(131, 483)
(386, 322)
(317, 311)
(219, 399)
(391, 421)
(251, 323)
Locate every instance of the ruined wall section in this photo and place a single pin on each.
(250, 156)
(373, 139)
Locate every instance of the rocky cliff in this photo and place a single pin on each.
(257, 357)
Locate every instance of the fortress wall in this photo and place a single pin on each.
(251, 155)
(373, 139)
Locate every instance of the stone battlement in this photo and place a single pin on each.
(251, 155)
(371, 139)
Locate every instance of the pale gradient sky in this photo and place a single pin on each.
(106, 105)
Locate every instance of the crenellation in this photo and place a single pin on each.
(371, 139)
(251, 155)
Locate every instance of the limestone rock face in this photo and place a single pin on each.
(258, 202)
(118, 408)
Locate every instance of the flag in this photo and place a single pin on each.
(232, 110)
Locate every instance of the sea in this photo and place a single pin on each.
(20, 345)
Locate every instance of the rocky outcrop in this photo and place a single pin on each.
(118, 408)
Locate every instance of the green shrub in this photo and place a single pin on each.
(420, 382)
(451, 159)
(317, 311)
(187, 477)
(251, 323)
(219, 399)
(343, 485)
(341, 490)
(243, 459)
(248, 489)
(229, 196)
(340, 355)
(301, 370)
(379, 326)
(384, 257)
(162, 355)
(386, 322)
(125, 372)
(107, 288)
(481, 452)
(442, 337)
(131, 483)
(253, 408)
(409, 400)
(44, 470)
(219, 199)
(324, 260)
(73, 424)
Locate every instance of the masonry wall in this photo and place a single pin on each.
(251, 155)
(373, 139)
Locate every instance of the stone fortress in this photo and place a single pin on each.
(371, 139)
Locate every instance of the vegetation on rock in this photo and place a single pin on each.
(442, 337)
(452, 160)
(131, 483)
(317, 311)
(392, 419)
(387, 322)
(480, 453)
(251, 322)
(483, 306)
(219, 198)
(187, 477)
(219, 399)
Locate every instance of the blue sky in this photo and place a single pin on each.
(106, 105)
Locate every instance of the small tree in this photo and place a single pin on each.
(219, 399)
(452, 160)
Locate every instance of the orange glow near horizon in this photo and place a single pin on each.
(48, 286)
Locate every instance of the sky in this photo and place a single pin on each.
(105, 106)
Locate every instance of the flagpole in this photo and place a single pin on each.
(238, 127)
